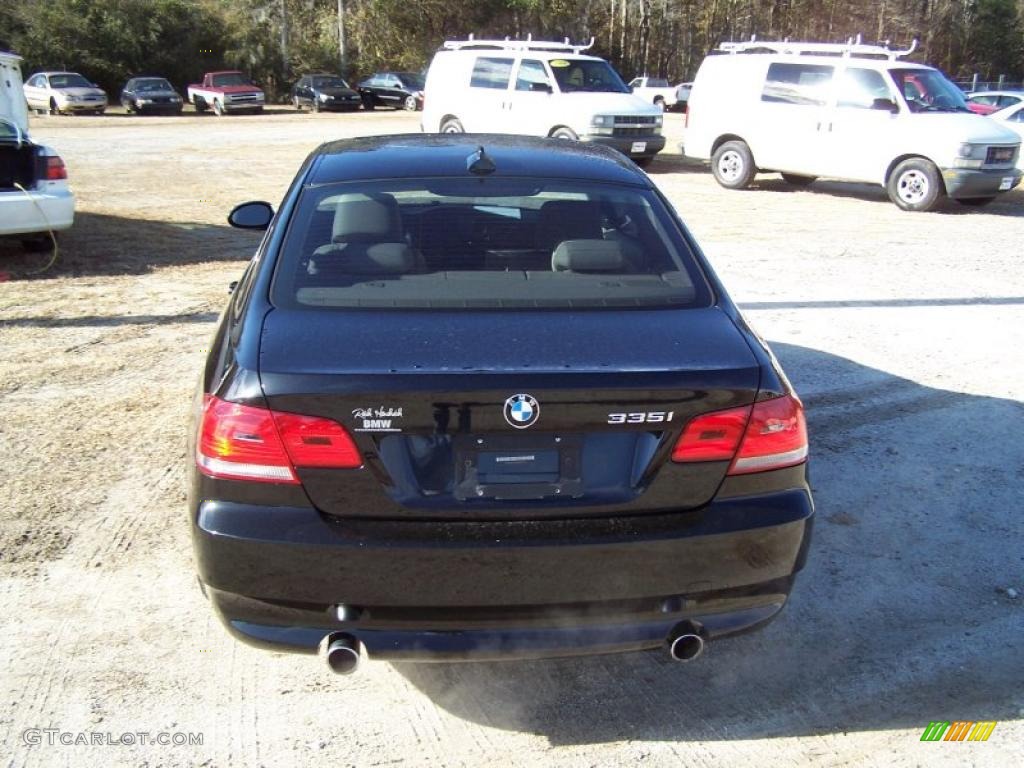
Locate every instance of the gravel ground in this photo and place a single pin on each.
(903, 332)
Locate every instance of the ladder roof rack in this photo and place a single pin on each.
(508, 44)
(851, 48)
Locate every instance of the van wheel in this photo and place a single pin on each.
(451, 125)
(797, 180)
(733, 165)
(915, 185)
(564, 133)
(975, 202)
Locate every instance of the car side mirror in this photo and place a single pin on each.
(887, 105)
(254, 215)
(540, 87)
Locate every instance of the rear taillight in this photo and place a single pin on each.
(244, 442)
(770, 434)
(55, 169)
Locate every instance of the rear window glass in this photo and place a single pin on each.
(484, 243)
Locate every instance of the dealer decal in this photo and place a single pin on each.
(382, 419)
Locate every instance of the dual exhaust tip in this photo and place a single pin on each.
(344, 653)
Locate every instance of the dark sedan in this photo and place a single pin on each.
(482, 397)
(151, 95)
(324, 92)
(400, 90)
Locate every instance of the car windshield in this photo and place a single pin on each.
(927, 90)
(586, 75)
(153, 84)
(70, 80)
(411, 80)
(657, 82)
(484, 243)
(231, 78)
(329, 82)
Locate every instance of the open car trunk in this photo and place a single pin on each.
(426, 396)
(18, 165)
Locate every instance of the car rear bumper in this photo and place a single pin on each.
(459, 590)
(40, 211)
(961, 182)
(652, 144)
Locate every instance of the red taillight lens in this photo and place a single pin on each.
(55, 169)
(776, 437)
(244, 442)
(315, 442)
(713, 436)
(770, 434)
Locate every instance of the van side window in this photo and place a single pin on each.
(804, 84)
(491, 73)
(530, 72)
(860, 88)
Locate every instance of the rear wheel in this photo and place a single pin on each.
(975, 202)
(367, 102)
(564, 133)
(797, 180)
(37, 244)
(199, 104)
(452, 125)
(733, 165)
(915, 185)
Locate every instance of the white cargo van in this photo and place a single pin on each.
(537, 88)
(34, 195)
(851, 112)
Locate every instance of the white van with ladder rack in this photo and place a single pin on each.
(537, 88)
(852, 112)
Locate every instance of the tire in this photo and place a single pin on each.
(452, 125)
(218, 108)
(37, 244)
(797, 180)
(53, 108)
(915, 185)
(258, 111)
(410, 104)
(975, 202)
(199, 104)
(564, 133)
(368, 103)
(315, 105)
(296, 103)
(660, 102)
(733, 165)
(643, 162)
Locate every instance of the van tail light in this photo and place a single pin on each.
(770, 434)
(55, 169)
(244, 442)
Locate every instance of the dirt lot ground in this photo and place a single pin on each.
(902, 331)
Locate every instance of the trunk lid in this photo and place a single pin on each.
(431, 400)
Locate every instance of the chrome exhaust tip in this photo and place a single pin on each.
(686, 642)
(342, 653)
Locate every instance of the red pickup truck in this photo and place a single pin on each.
(226, 91)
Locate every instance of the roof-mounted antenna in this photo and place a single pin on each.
(480, 164)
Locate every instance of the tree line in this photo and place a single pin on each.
(276, 40)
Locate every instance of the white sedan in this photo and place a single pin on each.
(1012, 117)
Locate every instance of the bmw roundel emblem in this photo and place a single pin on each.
(522, 411)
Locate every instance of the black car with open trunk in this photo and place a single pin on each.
(482, 397)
